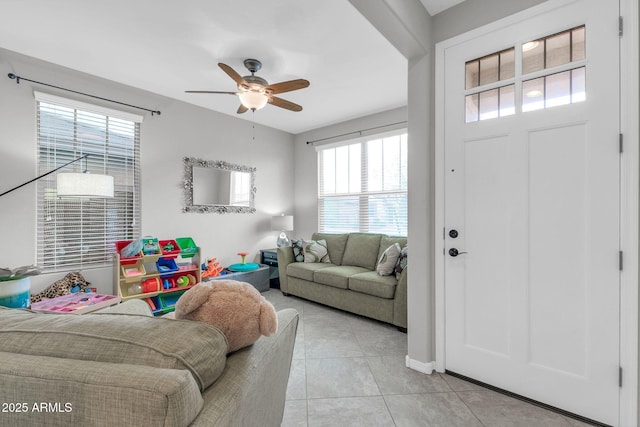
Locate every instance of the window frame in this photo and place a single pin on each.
(364, 195)
(95, 224)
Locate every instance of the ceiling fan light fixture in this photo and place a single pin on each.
(253, 100)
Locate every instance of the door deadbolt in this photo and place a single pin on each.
(453, 233)
(454, 252)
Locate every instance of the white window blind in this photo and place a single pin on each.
(362, 186)
(81, 233)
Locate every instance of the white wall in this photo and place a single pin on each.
(181, 130)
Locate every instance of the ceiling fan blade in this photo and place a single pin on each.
(232, 73)
(283, 103)
(210, 91)
(242, 109)
(287, 86)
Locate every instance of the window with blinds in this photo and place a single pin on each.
(362, 186)
(78, 233)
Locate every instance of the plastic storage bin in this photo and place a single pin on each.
(121, 244)
(169, 248)
(15, 292)
(188, 247)
(166, 266)
(150, 246)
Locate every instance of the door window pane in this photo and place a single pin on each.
(578, 92)
(507, 100)
(489, 67)
(558, 89)
(558, 50)
(472, 74)
(472, 108)
(507, 64)
(533, 94)
(532, 56)
(577, 44)
(489, 104)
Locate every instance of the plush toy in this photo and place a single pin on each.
(71, 283)
(236, 308)
(211, 269)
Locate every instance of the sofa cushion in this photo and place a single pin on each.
(335, 245)
(297, 246)
(117, 338)
(387, 261)
(305, 270)
(387, 241)
(310, 251)
(362, 250)
(401, 264)
(96, 393)
(374, 284)
(337, 276)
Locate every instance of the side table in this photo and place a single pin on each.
(270, 257)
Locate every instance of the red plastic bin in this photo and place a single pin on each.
(169, 253)
(121, 244)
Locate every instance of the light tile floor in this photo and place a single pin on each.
(348, 370)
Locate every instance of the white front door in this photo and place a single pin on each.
(531, 203)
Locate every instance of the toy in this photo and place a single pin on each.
(211, 269)
(183, 281)
(244, 266)
(62, 287)
(242, 256)
(236, 308)
(132, 249)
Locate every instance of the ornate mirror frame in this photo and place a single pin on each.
(190, 162)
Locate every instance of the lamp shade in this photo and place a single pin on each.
(253, 100)
(282, 223)
(84, 185)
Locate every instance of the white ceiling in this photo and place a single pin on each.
(167, 47)
(437, 6)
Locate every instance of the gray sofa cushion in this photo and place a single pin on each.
(305, 270)
(362, 250)
(127, 339)
(335, 244)
(338, 277)
(373, 284)
(96, 393)
(387, 241)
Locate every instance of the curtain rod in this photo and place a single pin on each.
(359, 132)
(18, 78)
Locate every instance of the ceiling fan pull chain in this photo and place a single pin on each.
(253, 124)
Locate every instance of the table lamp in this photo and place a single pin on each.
(282, 223)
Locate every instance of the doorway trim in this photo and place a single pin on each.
(629, 193)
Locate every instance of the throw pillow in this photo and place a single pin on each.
(401, 264)
(298, 250)
(388, 259)
(315, 251)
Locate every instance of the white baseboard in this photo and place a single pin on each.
(425, 368)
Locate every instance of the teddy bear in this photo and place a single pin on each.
(236, 308)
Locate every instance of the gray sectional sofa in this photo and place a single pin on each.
(123, 367)
(350, 281)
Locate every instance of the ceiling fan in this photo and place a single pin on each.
(255, 92)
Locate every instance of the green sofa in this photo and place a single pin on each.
(350, 281)
(124, 367)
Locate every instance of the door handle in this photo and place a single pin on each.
(454, 252)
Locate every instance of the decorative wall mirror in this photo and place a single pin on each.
(217, 186)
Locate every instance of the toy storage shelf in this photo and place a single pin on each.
(157, 279)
